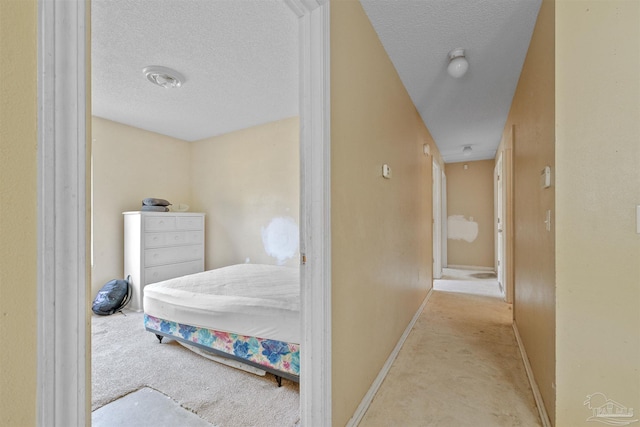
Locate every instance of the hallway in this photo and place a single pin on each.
(460, 365)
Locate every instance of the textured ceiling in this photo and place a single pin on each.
(239, 59)
(471, 110)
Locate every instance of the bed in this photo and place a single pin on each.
(248, 313)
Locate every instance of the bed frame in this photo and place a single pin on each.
(276, 357)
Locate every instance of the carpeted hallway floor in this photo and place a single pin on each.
(460, 365)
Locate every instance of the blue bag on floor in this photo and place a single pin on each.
(112, 297)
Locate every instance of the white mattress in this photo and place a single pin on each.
(247, 299)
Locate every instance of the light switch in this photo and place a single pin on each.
(545, 177)
(386, 171)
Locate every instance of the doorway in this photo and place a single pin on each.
(183, 136)
(62, 189)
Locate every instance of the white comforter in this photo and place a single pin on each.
(248, 299)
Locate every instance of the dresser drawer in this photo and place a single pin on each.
(173, 238)
(194, 237)
(171, 255)
(159, 223)
(189, 222)
(168, 238)
(165, 272)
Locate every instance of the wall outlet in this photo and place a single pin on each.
(547, 220)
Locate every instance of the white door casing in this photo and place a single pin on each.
(437, 218)
(443, 220)
(315, 212)
(62, 320)
(500, 226)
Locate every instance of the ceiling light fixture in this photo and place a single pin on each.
(466, 150)
(163, 76)
(458, 64)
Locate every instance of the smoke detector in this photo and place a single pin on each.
(163, 76)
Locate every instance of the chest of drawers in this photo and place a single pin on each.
(160, 246)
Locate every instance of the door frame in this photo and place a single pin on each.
(443, 220)
(63, 330)
(500, 224)
(63, 320)
(509, 213)
(437, 220)
(315, 211)
(507, 177)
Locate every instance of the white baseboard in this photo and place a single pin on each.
(368, 398)
(544, 417)
(470, 267)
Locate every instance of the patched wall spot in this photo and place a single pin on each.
(460, 228)
(281, 238)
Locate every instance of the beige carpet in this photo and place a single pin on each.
(460, 366)
(126, 358)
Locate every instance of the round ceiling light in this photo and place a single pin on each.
(458, 64)
(163, 76)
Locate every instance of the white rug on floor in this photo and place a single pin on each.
(145, 408)
(126, 358)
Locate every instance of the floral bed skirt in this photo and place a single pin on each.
(271, 355)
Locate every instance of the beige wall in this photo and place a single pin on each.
(598, 188)
(130, 164)
(248, 184)
(470, 214)
(578, 307)
(18, 226)
(381, 229)
(532, 120)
